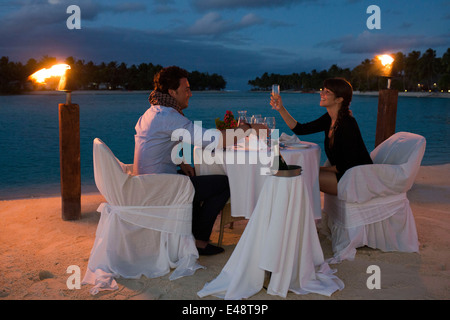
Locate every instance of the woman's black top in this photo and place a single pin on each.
(348, 149)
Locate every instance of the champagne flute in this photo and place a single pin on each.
(275, 90)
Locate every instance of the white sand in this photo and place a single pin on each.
(37, 247)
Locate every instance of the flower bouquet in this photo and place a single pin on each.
(228, 121)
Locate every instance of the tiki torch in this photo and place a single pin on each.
(69, 143)
(387, 102)
(69, 150)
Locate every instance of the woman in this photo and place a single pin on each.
(343, 144)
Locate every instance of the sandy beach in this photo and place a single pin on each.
(37, 247)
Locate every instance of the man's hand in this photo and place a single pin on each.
(187, 169)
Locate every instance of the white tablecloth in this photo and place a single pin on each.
(280, 237)
(245, 178)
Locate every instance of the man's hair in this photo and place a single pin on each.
(169, 78)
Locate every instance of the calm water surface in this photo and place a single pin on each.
(29, 133)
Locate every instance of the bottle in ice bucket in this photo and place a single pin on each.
(282, 165)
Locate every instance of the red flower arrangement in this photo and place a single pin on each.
(228, 121)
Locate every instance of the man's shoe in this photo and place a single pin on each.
(210, 250)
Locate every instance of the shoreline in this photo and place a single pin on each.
(444, 95)
(38, 247)
(412, 94)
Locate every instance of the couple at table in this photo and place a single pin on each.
(154, 146)
(153, 143)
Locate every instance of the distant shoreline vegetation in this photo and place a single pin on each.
(89, 76)
(413, 72)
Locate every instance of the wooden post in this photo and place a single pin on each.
(69, 144)
(387, 113)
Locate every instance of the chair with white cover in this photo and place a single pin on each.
(145, 228)
(371, 208)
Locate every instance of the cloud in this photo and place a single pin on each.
(36, 14)
(33, 15)
(204, 5)
(133, 47)
(213, 23)
(126, 7)
(370, 43)
(40, 29)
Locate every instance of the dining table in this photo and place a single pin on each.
(279, 248)
(247, 168)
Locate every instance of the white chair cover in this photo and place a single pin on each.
(372, 208)
(145, 226)
(281, 237)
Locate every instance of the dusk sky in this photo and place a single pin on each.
(239, 39)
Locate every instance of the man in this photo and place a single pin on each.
(153, 150)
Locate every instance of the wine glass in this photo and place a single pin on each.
(256, 118)
(270, 123)
(242, 117)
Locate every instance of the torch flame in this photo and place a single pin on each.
(386, 65)
(385, 59)
(58, 70)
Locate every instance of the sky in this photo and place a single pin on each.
(238, 39)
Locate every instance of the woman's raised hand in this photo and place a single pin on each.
(276, 102)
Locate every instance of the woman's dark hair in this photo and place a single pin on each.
(169, 78)
(341, 89)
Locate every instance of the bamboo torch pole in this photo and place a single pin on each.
(387, 104)
(69, 150)
(387, 114)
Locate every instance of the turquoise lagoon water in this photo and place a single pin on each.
(29, 132)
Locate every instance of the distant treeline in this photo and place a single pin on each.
(90, 76)
(412, 72)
